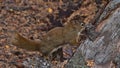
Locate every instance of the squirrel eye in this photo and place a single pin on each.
(82, 24)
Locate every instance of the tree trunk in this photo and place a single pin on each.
(106, 46)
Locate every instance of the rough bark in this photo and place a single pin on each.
(106, 47)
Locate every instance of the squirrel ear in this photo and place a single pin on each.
(77, 19)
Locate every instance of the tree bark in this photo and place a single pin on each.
(106, 46)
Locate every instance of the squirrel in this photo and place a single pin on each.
(53, 38)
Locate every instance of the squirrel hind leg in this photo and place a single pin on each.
(56, 54)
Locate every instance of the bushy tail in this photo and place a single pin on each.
(22, 42)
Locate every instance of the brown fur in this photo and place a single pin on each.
(53, 39)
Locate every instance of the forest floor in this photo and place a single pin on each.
(33, 19)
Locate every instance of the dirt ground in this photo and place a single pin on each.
(32, 19)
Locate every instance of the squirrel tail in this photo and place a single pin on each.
(22, 42)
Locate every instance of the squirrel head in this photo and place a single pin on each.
(76, 23)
